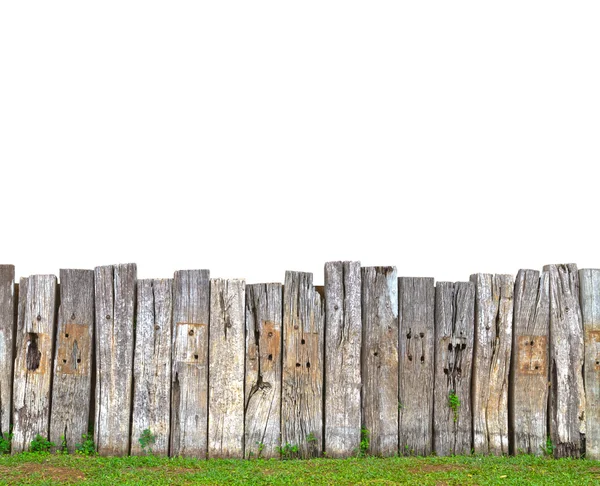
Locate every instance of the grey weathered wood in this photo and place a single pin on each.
(302, 376)
(33, 363)
(380, 402)
(189, 376)
(226, 368)
(529, 383)
(343, 339)
(7, 340)
(416, 364)
(491, 362)
(152, 365)
(262, 430)
(454, 340)
(567, 396)
(114, 297)
(589, 293)
(72, 380)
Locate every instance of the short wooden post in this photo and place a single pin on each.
(7, 339)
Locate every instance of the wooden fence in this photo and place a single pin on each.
(218, 368)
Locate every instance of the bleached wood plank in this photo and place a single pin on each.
(7, 340)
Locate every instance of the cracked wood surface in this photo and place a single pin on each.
(114, 296)
(33, 364)
(530, 373)
(189, 388)
(7, 340)
(226, 368)
(302, 375)
(454, 340)
(152, 365)
(72, 381)
(262, 431)
(567, 395)
(343, 338)
(491, 361)
(380, 404)
(590, 306)
(415, 364)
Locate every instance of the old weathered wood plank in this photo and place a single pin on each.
(226, 368)
(7, 340)
(589, 293)
(302, 376)
(262, 431)
(380, 404)
(454, 340)
(491, 362)
(72, 380)
(114, 297)
(343, 339)
(152, 366)
(567, 395)
(33, 364)
(529, 384)
(416, 330)
(189, 376)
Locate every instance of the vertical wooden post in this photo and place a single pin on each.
(152, 365)
(302, 377)
(33, 364)
(264, 307)
(590, 307)
(491, 362)
(343, 338)
(115, 313)
(567, 395)
(226, 369)
(72, 381)
(189, 388)
(7, 339)
(415, 364)
(380, 402)
(529, 383)
(454, 340)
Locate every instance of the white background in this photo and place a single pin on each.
(445, 138)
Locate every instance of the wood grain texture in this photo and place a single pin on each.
(380, 402)
(33, 365)
(589, 293)
(529, 383)
(567, 395)
(302, 375)
(454, 341)
(226, 368)
(491, 362)
(7, 340)
(114, 296)
(343, 339)
(262, 430)
(189, 387)
(72, 381)
(152, 365)
(416, 364)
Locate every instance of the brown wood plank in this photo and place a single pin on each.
(529, 383)
(72, 380)
(7, 340)
(152, 366)
(114, 297)
(33, 365)
(302, 376)
(491, 362)
(264, 307)
(454, 341)
(380, 404)
(189, 387)
(343, 339)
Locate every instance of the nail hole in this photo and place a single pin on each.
(463, 346)
(422, 334)
(297, 365)
(270, 357)
(598, 362)
(303, 342)
(66, 335)
(409, 357)
(375, 353)
(195, 356)
(107, 317)
(79, 360)
(537, 367)
(307, 364)
(408, 336)
(270, 334)
(295, 326)
(422, 359)
(336, 307)
(531, 343)
(157, 327)
(191, 332)
(39, 318)
(450, 347)
(64, 360)
(445, 371)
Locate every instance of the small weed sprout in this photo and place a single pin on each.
(310, 438)
(147, 440)
(261, 447)
(5, 440)
(454, 404)
(62, 449)
(288, 451)
(41, 444)
(364, 442)
(548, 447)
(87, 446)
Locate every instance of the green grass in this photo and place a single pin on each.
(47, 469)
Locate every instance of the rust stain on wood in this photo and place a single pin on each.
(532, 355)
(592, 341)
(72, 345)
